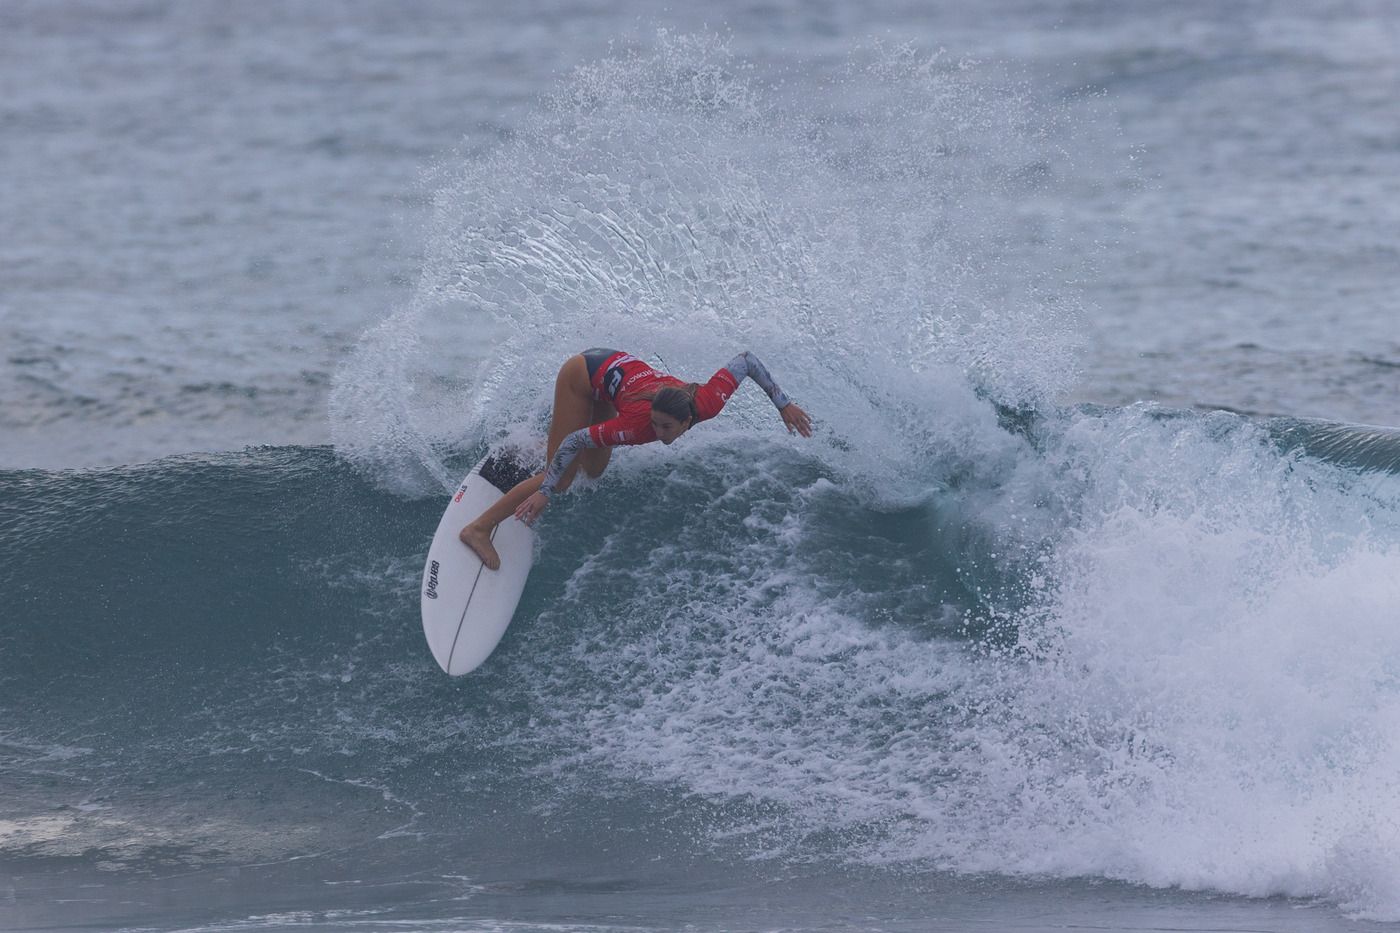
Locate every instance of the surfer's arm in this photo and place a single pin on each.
(572, 446)
(750, 366)
(711, 397)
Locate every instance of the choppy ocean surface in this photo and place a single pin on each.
(1081, 610)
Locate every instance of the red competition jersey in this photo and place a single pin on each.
(630, 383)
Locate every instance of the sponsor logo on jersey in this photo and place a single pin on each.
(431, 591)
(612, 381)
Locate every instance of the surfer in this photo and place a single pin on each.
(605, 399)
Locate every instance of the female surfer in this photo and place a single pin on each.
(607, 398)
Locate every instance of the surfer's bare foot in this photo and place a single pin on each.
(479, 540)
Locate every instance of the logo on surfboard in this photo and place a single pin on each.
(431, 591)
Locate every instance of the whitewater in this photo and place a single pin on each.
(1071, 613)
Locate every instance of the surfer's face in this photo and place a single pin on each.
(667, 428)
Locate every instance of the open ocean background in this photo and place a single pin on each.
(1081, 610)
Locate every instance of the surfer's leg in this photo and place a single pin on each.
(595, 459)
(573, 406)
(477, 535)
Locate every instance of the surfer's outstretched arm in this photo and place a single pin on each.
(747, 366)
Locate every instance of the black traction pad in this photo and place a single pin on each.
(503, 471)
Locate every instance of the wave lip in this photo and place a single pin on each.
(1364, 448)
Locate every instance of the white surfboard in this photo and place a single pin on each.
(466, 607)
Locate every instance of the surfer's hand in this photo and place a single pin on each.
(796, 419)
(531, 508)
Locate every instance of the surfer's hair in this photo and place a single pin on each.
(679, 403)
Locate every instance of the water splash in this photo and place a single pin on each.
(1192, 681)
(888, 248)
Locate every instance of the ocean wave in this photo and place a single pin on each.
(1145, 645)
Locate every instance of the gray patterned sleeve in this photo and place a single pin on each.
(573, 445)
(746, 364)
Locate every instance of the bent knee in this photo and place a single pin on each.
(595, 462)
